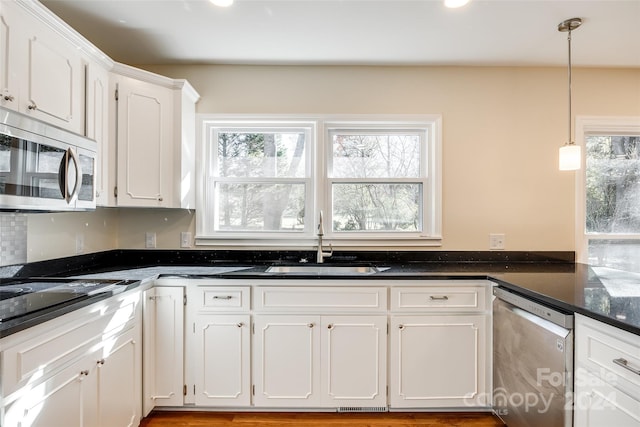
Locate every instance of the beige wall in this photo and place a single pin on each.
(54, 235)
(502, 130)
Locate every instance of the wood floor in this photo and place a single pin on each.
(320, 419)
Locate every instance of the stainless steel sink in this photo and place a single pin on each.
(322, 269)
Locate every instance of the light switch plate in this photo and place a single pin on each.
(185, 239)
(496, 241)
(150, 240)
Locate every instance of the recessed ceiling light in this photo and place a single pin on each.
(222, 3)
(455, 3)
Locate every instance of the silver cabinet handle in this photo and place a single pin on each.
(625, 364)
(9, 98)
(100, 362)
(310, 325)
(441, 298)
(401, 327)
(329, 326)
(32, 106)
(240, 325)
(84, 373)
(222, 297)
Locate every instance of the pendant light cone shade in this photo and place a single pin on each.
(570, 156)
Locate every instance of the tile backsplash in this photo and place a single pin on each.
(13, 238)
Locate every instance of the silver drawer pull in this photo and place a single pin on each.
(625, 364)
(222, 297)
(442, 298)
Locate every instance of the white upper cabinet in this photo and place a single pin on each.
(9, 55)
(42, 71)
(155, 139)
(97, 121)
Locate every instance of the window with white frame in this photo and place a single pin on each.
(609, 193)
(269, 178)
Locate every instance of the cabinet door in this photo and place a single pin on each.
(13, 58)
(438, 361)
(222, 357)
(287, 361)
(354, 361)
(57, 402)
(119, 378)
(55, 90)
(598, 404)
(145, 148)
(97, 119)
(163, 314)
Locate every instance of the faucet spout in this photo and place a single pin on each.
(321, 254)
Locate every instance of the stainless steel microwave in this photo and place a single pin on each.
(43, 167)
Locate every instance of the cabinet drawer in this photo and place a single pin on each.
(325, 299)
(436, 299)
(216, 298)
(609, 352)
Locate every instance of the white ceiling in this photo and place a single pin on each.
(370, 32)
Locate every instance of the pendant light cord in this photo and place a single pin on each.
(569, 68)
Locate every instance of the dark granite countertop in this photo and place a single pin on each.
(550, 278)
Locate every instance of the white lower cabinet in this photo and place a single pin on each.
(291, 344)
(67, 375)
(438, 361)
(440, 345)
(607, 375)
(286, 369)
(118, 376)
(163, 312)
(222, 360)
(354, 361)
(56, 402)
(321, 361)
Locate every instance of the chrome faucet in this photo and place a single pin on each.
(321, 255)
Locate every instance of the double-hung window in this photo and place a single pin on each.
(267, 179)
(609, 192)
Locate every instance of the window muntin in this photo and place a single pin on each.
(368, 177)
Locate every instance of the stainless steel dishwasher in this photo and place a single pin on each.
(532, 362)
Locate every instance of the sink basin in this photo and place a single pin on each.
(320, 269)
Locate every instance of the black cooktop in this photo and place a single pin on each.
(20, 297)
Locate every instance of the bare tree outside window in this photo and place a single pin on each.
(612, 190)
(368, 199)
(250, 201)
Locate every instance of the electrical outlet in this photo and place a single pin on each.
(185, 239)
(79, 243)
(150, 240)
(496, 241)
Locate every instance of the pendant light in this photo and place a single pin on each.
(570, 156)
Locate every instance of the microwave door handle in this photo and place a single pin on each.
(76, 164)
(63, 176)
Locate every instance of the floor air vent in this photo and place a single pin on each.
(362, 409)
